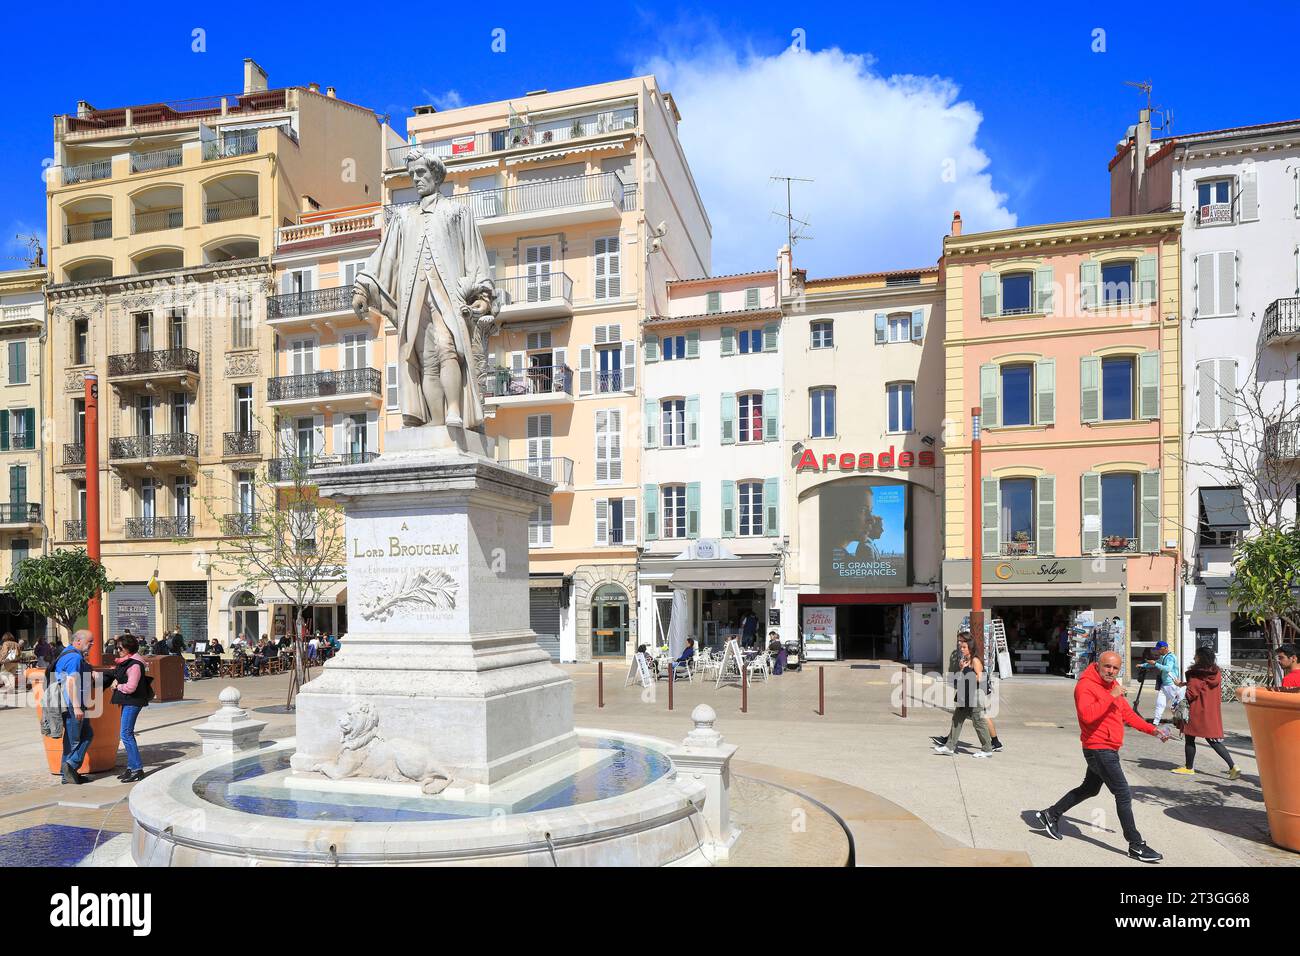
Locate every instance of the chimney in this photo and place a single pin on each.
(956, 222)
(1141, 144)
(84, 109)
(254, 77)
(784, 270)
(308, 204)
(329, 91)
(314, 87)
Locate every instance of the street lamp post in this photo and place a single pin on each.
(977, 539)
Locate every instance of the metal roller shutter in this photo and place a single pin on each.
(544, 618)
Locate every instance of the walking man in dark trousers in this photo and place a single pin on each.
(1103, 711)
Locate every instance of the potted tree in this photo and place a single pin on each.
(59, 586)
(1116, 542)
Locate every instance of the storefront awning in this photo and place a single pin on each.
(1224, 509)
(1216, 583)
(546, 580)
(715, 577)
(1065, 593)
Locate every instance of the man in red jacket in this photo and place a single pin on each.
(1103, 711)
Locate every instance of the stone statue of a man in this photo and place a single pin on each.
(429, 277)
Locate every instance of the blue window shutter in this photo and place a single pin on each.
(918, 324)
(693, 510)
(651, 348)
(881, 323)
(771, 507)
(771, 416)
(651, 519)
(728, 509)
(728, 418)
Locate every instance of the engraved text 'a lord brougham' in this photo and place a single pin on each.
(396, 549)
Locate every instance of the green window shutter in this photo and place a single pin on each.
(713, 302)
(989, 396)
(751, 298)
(771, 507)
(728, 341)
(1091, 537)
(651, 423)
(4, 430)
(918, 325)
(990, 290)
(1046, 514)
(992, 516)
(1045, 392)
(771, 423)
(1149, 535)
(17, 484)
(692, 419)
(1147, 289)
(693, 344)
(728, 509)
(1089, 389)
(1044, 288)
(651, 519)
(1149, 385)
(693, 510)
(881, 323)
(29, 425)
(771, 335)
(728, 419)
(651, 347)
(1089, 284)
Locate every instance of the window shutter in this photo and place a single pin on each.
(602, 445)
(1149, 385)
(1226, 269)
(615, 444)
(728, 509)
(651, 499)
(4, 430)
(713, 302)
(1147, 293)
(693, 344)
(989, 396)
(693, 510)
(751, 298)
(1207, 396)
(340, 436)
(771, 507)
(992, 516)
(728, 341)
(651, 348)
(1046, 514)
(29, 426)
(771, 336)
(918, 325)
(651, 422)
(881, 322)
(1089, 389)
(602, 521)
(1149, 536)
(1205, 299)
(692, 420)
(728, 418)
(516, 367)
(534, 528)
(1089, 284)
(989, 289)
(1091, 537)
(1227, 393)
(584, 370)
(560, 376)
(1045, 392)
(1249, 194)
(771, 416)
(629, 366)
(1044, 289)
(629, 522)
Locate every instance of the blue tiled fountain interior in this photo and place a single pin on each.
(631, 768)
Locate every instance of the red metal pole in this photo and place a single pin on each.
(94, 611)
(977, 539)
(905, 687)
(672, 668)
(600, 683)
(821, 690)
(744, 689)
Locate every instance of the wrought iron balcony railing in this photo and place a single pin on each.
(535, 289)
(540, 380)
(85, 231)
(239, 144)
(74, 453)
(1117, 545)
(230, 209)
(612, 381)
(523, 135)
(167, 526)
(1282, 441)
(18, 441)
(295, 469)
(241, 443)
(19, 512)
(87, 172)
(157, 220)
(74, 530)
(316, 302)
(1282, 318)
(156, 159)
(1013, 549)
(348, 381)
(239, 523)
(166, 445)
(558, 470)
(153, 363)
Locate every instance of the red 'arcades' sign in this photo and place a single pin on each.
(864, 461)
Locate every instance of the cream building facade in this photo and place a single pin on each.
(162, 222)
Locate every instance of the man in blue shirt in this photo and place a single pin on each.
(1170, 691)
(74, 676)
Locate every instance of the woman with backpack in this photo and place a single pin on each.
(1204, 714)
(132, 692)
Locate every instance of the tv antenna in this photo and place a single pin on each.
(1144, 86)
(1166, 117)
(791, 234)
(35, 254)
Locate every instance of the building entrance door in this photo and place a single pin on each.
(609, 622)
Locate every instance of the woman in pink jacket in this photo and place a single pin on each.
(132, 694)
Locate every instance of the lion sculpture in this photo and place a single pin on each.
(367, 754)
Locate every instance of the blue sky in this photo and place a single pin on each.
(900, 112)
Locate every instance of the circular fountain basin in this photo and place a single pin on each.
(618, 801)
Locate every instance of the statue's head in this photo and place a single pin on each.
(427, 171)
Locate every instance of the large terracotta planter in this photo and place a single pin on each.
(1275, 729)
(107, 727)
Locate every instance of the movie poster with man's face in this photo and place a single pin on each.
(864, 536)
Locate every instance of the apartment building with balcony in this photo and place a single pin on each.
(587, 208)
(711, 459)
(863, 403)
(1067, 337)
(162, 222)
(23, 384)
(1238, 191)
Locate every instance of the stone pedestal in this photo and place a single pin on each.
(704, 758)
(439, 644)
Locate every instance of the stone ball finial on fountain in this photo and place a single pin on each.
(704, 736)
(230, 698)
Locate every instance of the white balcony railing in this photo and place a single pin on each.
(303, 232)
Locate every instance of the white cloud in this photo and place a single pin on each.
(877, 147)
(449, 100)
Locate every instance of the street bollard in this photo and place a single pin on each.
(821, 690)
(672, 670)
(600, 683)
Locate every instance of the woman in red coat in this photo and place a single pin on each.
(1205, 718)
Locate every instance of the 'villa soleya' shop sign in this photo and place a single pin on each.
(864, 461)
(396, 549)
